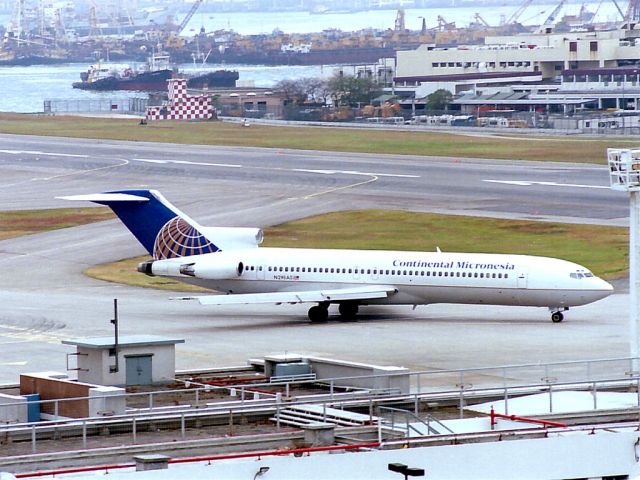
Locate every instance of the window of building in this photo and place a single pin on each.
(593, 46)
(573, 46)
(593, 78)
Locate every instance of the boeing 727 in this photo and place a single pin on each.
(231, 261)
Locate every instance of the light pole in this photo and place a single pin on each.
(406, 471)
(624, 175)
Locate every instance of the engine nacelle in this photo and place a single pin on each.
(217, 267)
(224, 269)
(233, 238)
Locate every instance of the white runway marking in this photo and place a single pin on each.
(50, 154)
(302, 170)
(355, 172)
(527, 183)
(187, 162)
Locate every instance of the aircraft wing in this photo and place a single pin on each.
(312, 296)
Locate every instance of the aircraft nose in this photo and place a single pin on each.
(603, 287)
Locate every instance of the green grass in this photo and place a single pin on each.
(26, 222)
(512, 145)
(602, 249)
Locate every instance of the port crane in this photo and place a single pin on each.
(190, 14)
(633, 11)
(552, 16)
(519, 11)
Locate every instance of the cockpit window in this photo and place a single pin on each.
(581, 274)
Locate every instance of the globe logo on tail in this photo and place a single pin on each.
(179, 239)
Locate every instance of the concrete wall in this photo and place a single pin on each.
(392, 377)
(325, 368)
(105, 401)
(98, 400)
(95, 364)
(54, 388)
(13, 413)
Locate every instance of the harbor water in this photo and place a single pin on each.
(24, 89)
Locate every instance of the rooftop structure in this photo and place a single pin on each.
(520, 59)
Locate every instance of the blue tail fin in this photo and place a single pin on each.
(163, 230)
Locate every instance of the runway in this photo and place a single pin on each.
(46, 298)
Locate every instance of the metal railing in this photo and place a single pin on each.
(454, 387)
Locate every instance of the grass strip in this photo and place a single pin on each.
(509, 146)
(604, 250)
(26, 222)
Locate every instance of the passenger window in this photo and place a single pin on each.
(368, 271)
(481, 275)
(475, 275)
(446, 274)
(280, 269)
(404, 272)
(260, 268)
(375, 271)
(422, 273)
(439, 274)
(428, 274)
(506, 275)
(344, 270)
(387, 272)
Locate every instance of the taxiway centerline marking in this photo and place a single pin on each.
(527, 183)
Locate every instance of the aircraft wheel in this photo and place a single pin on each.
(348, 310)
(557, 317)
(318, 314)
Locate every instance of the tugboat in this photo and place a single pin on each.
(107, 76)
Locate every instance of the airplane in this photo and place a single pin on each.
(230, 260)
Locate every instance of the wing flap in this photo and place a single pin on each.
(312, 296)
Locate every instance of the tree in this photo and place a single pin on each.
(348, 90)
(294, 91)
(439, 100)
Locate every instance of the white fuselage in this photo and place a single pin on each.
(418, 277)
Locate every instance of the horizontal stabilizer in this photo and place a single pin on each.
(106, 197)
(336, 295)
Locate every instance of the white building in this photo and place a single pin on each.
(513, 60)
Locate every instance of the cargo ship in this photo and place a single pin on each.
(153, 77)
(108, 76)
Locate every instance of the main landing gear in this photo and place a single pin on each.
(556, 314)
(320, 313)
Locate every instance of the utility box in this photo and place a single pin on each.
(137, 360)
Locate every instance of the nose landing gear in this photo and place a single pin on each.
(556, 314)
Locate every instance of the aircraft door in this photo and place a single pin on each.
(522, 279)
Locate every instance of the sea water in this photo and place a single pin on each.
(25, 88)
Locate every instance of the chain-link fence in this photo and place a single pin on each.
(135, 105)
